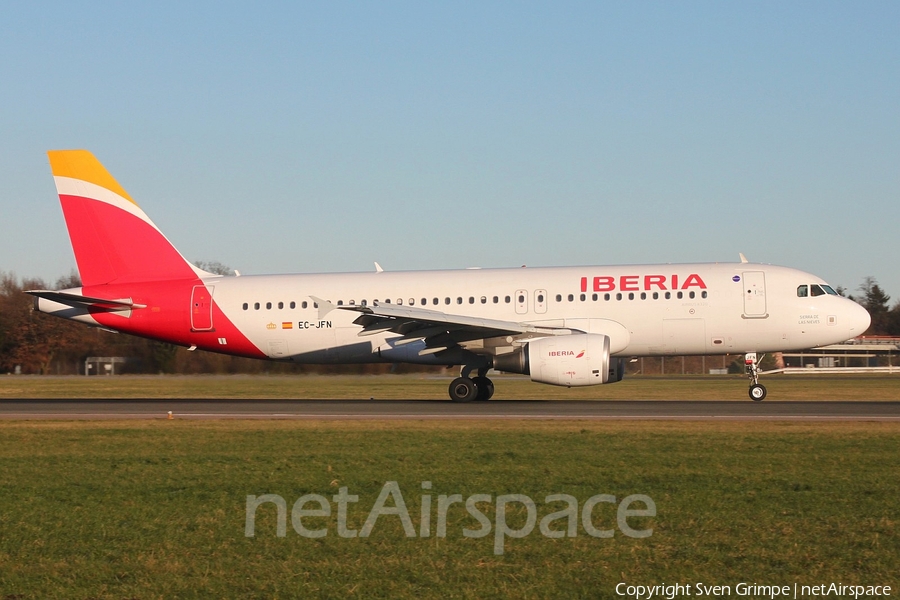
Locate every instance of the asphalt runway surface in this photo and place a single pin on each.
(94, 409)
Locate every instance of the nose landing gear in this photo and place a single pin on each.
(757, 390)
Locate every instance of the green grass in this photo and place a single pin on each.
(156, 509)
(781, 387)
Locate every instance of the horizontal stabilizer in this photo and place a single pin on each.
(79, 300)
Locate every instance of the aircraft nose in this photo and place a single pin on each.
(859, 319)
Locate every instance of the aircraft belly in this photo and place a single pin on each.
(331, 346)
(684, 336)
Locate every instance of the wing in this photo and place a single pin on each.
(440, 331)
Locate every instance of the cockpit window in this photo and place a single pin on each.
(815, 289)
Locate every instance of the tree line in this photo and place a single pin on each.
(885, 318)
(36, 343)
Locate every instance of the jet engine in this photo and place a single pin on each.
(569, 360)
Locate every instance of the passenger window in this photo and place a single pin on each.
(656, 295)
(606, 297)
(508, 299)
(400, 301)
(619, 296)
(280, 305)
(256, 306)
(631, 295)
(703, 294)
(594, 297)
(668, 295)
(412, 301)
(484, 299)
(540, 297)
(802, 291)
(268, 306)
(293, 304)
(447, 300)
(340, 303)
(583, 297)
(680, 295)
(571, 297)
(246, 306)
(304, 304)
(434, 301)
(459, 300)
(496, 299)
(471, 299)
(424, 301)
(692, 295)
(559, 297)
(643, 295)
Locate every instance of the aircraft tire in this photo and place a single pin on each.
(463, 389)
(485, 388)
(757, 392)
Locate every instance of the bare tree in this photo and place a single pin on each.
(214, 266)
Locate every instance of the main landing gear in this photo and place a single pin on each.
(464, 389)
(757, 390)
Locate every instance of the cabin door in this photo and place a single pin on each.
(201, 308)
(755, 294)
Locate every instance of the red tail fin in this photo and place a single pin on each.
(114, 241)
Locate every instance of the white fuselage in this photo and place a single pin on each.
(646, 310)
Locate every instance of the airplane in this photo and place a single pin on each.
(566, 326)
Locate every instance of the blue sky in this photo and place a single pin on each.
(293, 137)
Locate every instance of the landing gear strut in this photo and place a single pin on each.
(757, 390)
(464, 389)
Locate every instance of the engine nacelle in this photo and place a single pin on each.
(569, 360)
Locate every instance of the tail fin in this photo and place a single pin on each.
(113, 240)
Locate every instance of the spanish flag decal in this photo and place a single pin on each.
(287, 325)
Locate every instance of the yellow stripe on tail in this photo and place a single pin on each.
(81, 164)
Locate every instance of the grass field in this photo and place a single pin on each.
(157, 509)
(781, 387)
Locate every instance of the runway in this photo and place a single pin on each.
(95, 409)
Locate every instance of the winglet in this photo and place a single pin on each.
(378, 268)
(324, 306)
(743, 258)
